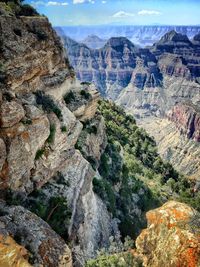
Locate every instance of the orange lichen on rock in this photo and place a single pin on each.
(12, 254)
(168, 241)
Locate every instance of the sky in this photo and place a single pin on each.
(122, 12)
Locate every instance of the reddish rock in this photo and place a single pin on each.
(169, 241)
(187, 119)
(12, 254)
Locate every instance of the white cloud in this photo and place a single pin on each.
(37, 3)
(83, 1)
(148, 12)
(103, 2)
(50, 3)
(123, 14)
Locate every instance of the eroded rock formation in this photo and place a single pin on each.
(171, 238)
(187, 119)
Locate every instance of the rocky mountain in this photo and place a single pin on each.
(142, 35)
(93, 41)
(75, 170)
(142, 80)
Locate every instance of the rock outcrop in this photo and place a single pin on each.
(45, 246)
(171, 238)
(187, 119)
(11, 253)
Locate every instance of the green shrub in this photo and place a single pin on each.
(85, 83)
(27, 121)
(52, 134)
(91, 129)
(117, 255)
(85, 94)
(63, 129)
(69, 97)
(39, 153)
(27, 10)
(104, 190)
(54, 211)
(48, 104)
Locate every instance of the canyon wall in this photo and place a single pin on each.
(140, 35)
(37, 138)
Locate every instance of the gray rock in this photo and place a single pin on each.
(47, 248)
(11, 113)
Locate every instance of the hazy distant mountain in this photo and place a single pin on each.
(141, 35)
(93, 41)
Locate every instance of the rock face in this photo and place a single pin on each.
(33, 61)
(12, 254)
(187, 119)
(38, 132)
(114, 66)
(181, 152)
(46, 246)
(144, 81)
(169, 240)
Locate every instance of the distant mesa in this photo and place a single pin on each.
(94, 42)
(174, 37)
(119, 41)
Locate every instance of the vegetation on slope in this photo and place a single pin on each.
(18, 8)
(134, 179)
(118, 254)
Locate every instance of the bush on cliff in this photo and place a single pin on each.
(48, 104)
(19, 9)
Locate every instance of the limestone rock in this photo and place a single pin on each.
(22, 152)
(90, 225)
(12, 254)
(168, 240)
(11, 113)
(46, 247)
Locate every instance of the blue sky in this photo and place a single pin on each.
(123, 12)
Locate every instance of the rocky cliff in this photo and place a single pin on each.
(39, 129)
(187, 119)
(171, 234)
(144, 81)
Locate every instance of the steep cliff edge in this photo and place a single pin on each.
(187, 119)
(37, 138)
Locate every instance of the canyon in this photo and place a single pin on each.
(150, 83)
(76, 170)
(141, 35)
